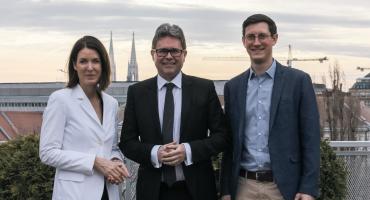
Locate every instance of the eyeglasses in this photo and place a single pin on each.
(260, 36)
(164, 52)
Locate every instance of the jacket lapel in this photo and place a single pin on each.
(153, 104)
(276, 92)
(107, 111)
(186, 103)
(88, 110)
(85, 104)
(242, 101)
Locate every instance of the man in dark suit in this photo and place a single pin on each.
(173, 124)
(272, 113)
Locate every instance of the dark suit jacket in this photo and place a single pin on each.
(294, 133)
(202, 126)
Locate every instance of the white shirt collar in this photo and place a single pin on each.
(177, 81)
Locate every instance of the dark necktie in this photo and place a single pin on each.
(169, 173)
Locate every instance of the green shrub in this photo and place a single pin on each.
(22, 175)
(332, 175)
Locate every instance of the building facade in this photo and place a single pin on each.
(22, 104)
(361, 89)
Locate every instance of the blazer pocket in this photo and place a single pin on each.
(294, 159)
(70, 176)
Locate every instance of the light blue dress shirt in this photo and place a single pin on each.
(255, 152)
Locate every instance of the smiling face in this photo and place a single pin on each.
(168, 66)
(260, 46)
(88, 67)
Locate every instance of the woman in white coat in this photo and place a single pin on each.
(79, 129)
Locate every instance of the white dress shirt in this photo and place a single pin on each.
(177, 94)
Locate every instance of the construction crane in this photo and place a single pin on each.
(291, 59)
(362, 68)
(244, 58)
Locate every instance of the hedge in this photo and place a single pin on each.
(22, 175)
(333, 175)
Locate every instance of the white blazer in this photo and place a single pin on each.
(71, 137)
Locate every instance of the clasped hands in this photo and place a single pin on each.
(171, 154)
(114, 170)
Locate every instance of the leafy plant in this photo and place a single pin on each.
(332, 175)
(22, 175)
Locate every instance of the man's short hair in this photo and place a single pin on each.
(167, 29)
(257, 18)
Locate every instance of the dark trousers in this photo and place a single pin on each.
(178, 191)
(105, 193)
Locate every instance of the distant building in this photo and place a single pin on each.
(355, 120)
(14, 124)
(33, 97)
(354, 111)
(361, 89)
(319, 88)
(132, 71)
(22, 104)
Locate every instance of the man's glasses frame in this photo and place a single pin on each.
(175, 52)
(260, 36)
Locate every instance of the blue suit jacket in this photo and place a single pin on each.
(294, 133)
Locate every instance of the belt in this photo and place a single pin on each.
(262, 176)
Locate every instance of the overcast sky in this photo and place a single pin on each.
(37, 35)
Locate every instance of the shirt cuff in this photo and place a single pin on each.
(188, 160)
(154, 156)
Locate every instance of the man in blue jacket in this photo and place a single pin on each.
(272, 113)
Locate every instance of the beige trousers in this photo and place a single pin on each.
(249, 189)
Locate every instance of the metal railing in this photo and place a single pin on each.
(129, 186)
(356, 156)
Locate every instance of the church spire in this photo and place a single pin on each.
(111, 60)
(132, 73)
